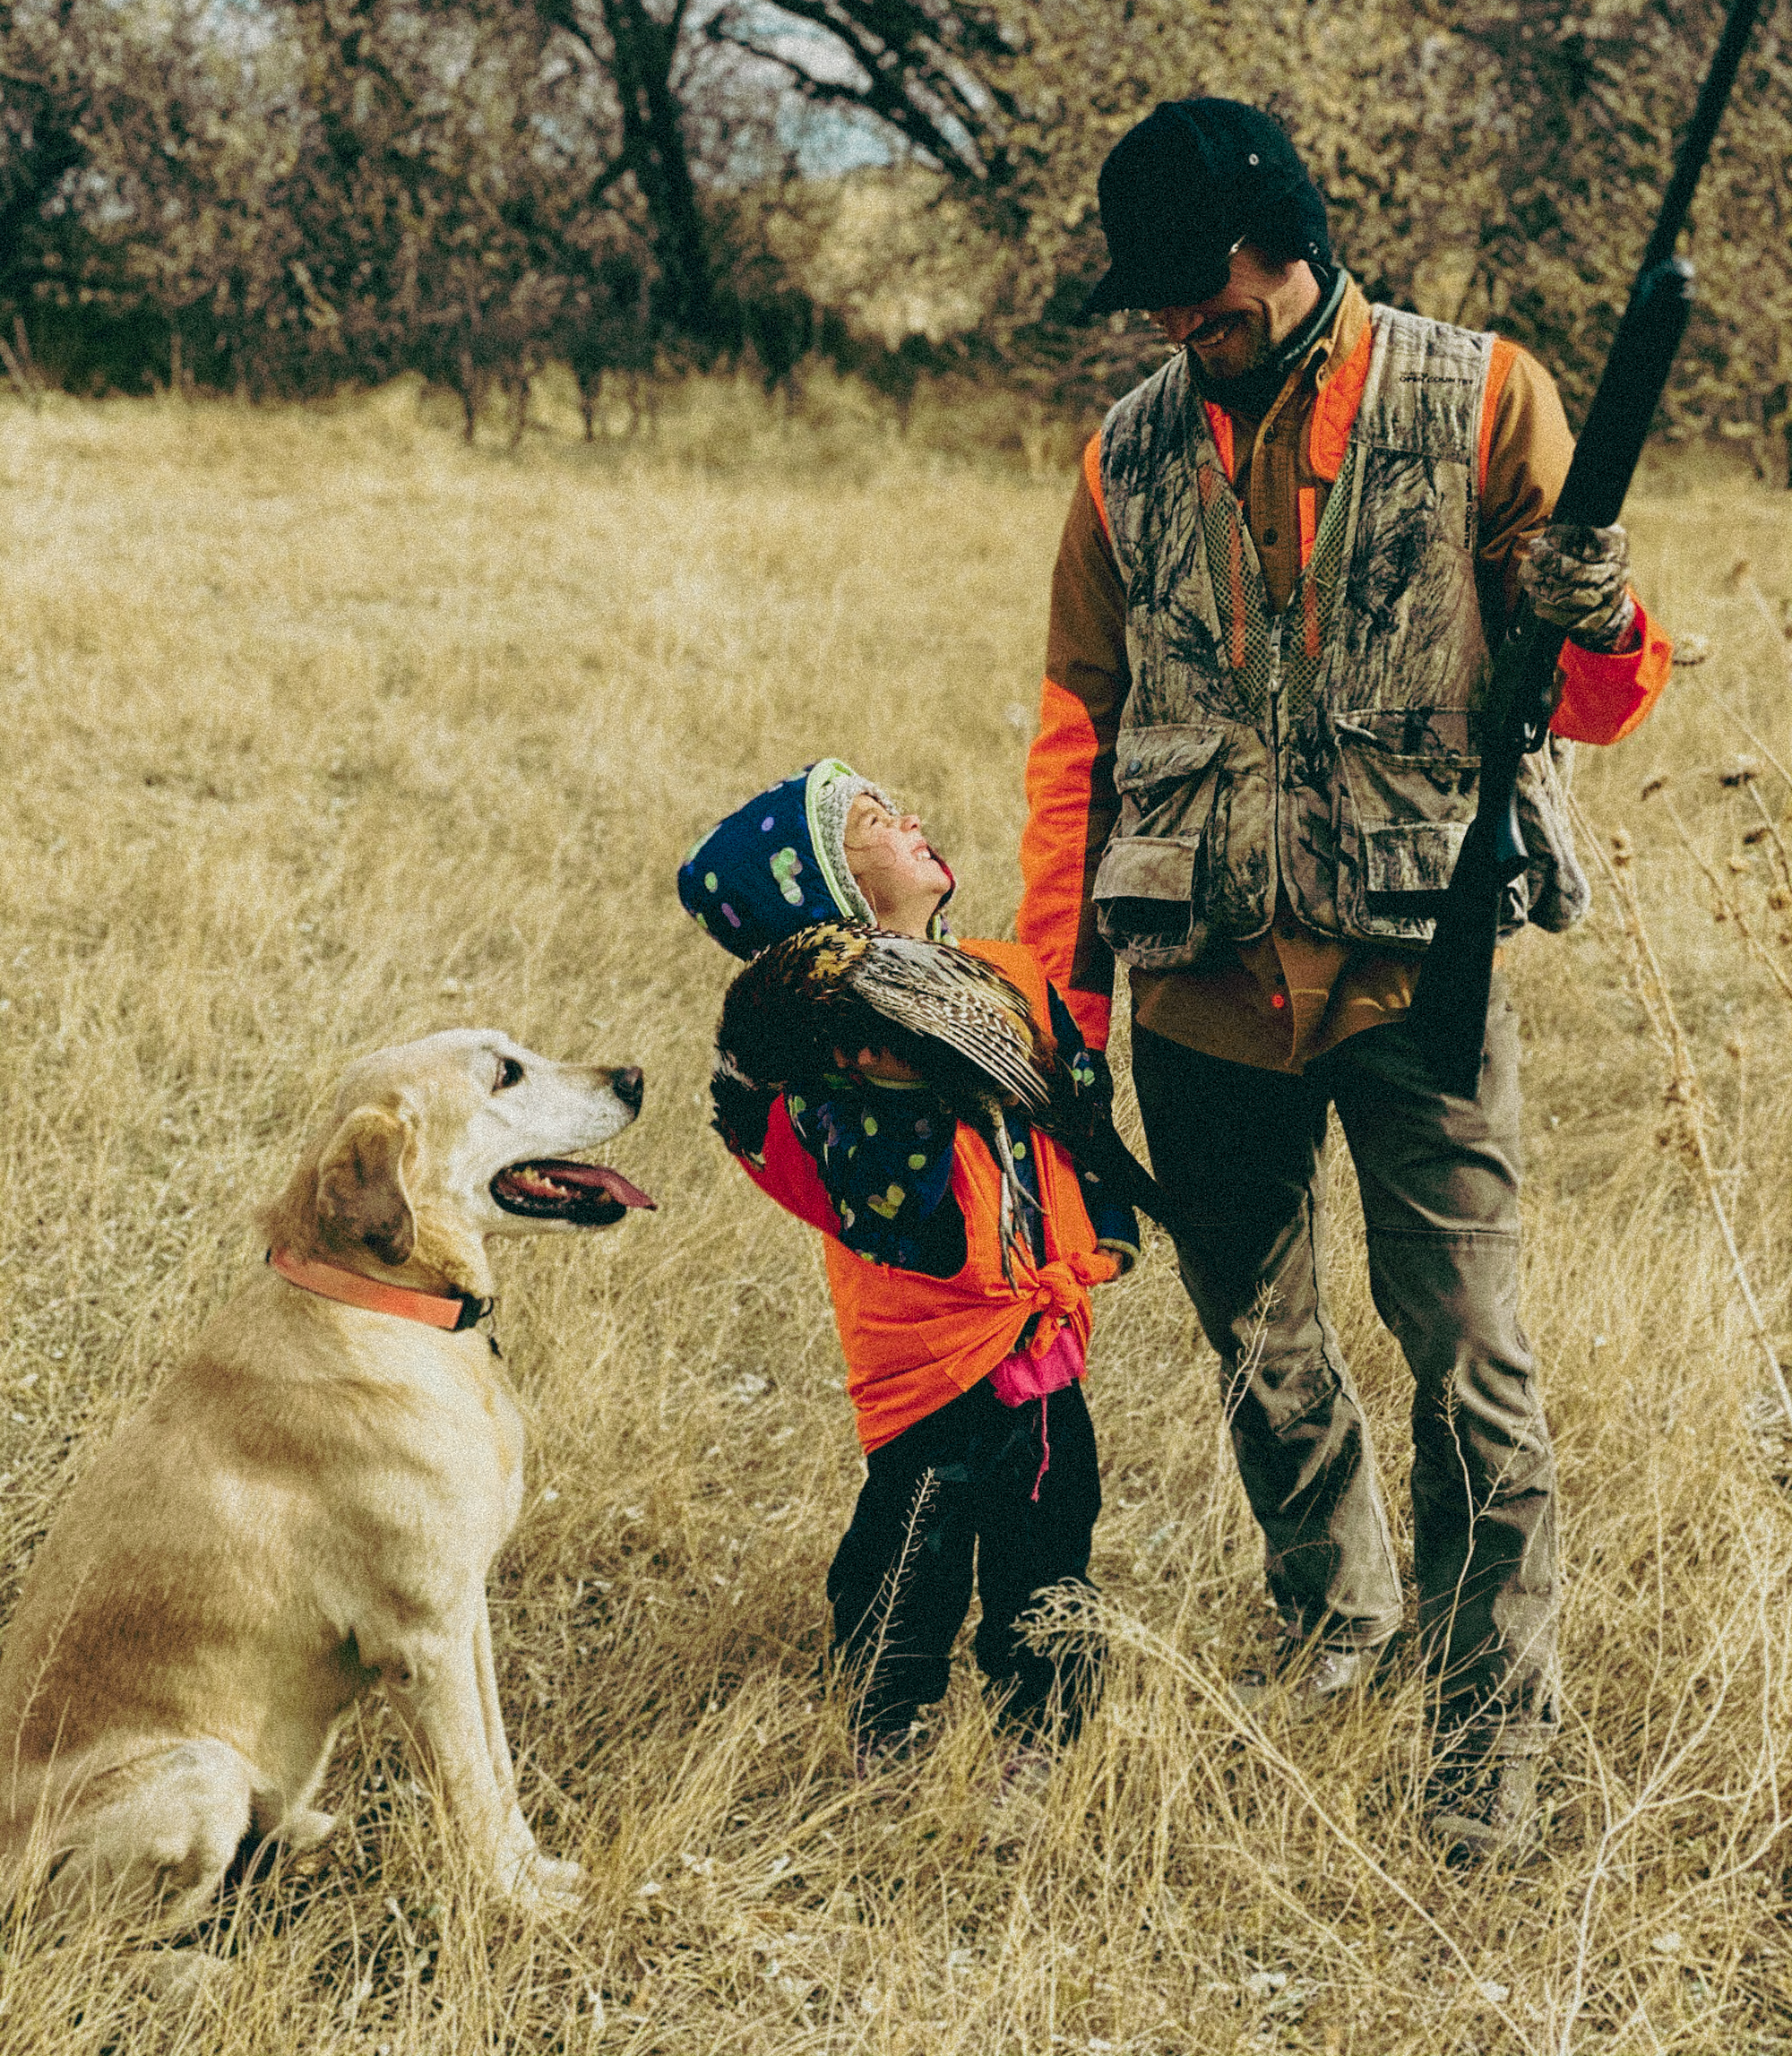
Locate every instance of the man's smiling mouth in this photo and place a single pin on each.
(1215, 330)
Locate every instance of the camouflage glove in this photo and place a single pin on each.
(1579, 581)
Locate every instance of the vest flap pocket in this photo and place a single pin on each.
(1164, 753)
(1150, 867)
(1415, 856)
(1166, 774)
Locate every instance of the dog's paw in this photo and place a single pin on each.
(559, 1882)
(306, 1828)
(540, 1885)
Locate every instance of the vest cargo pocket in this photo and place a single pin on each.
(1406, 871)
(1144, 900)
(1404, 804)
(1554, 891)
(1167, 775)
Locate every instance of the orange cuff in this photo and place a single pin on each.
(1104, 1266)
(1604, 698)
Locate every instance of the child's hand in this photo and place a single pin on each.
(880, 1066)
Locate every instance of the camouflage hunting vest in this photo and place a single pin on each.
(1331, 749)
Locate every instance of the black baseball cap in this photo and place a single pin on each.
(1183, 188)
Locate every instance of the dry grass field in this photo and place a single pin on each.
(323, 730)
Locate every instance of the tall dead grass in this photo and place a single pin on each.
(324, 731)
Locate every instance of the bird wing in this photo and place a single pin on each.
(782, 1011)
(936, 990)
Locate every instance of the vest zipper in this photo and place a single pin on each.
(1275, 739)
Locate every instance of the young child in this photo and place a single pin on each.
(978, 1445)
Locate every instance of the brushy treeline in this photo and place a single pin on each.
(284, 199)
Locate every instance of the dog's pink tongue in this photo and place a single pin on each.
(614, 1184)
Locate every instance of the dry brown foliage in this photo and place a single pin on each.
(327, 192)
(325, 730)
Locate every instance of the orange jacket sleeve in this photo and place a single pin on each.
(1072, 805)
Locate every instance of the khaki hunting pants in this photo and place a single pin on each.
(1242, 1150)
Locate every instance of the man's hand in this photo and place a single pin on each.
(1579, 581)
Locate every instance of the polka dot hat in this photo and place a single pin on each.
(778, 863)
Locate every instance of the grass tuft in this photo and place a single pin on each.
(327, 731)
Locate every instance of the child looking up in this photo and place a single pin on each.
(979, 1446)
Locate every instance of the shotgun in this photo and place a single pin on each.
(1449, 1014)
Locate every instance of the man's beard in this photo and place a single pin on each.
(1252, 391)
(1256, 331)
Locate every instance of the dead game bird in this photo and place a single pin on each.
(813, 1000)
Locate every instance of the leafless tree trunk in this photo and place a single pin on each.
(16, 357)
(639, 51)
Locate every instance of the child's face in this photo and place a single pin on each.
(895, 866)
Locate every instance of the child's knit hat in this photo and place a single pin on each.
(779, 863)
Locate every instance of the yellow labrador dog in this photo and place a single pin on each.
(308, 1505)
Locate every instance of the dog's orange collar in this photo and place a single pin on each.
(330, 1281)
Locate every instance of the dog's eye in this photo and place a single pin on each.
(510, 1072)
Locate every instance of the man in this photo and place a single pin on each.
(1289, 555)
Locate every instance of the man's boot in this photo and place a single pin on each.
(1311, 1673)
(1481, 1807)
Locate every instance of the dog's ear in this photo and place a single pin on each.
(360, 1185)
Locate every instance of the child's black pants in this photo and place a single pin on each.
(954, 1488)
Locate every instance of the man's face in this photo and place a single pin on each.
(1259, 306)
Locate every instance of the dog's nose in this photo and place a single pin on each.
(629, 1086)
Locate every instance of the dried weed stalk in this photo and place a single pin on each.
(1684, 1096)
(1728, 905)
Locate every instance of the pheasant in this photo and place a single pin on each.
(951, 1018)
